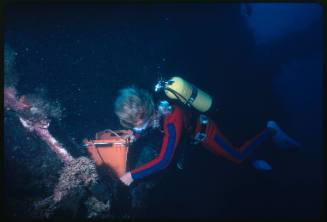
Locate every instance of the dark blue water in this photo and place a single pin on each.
(254, 59)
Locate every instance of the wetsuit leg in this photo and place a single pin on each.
(217, 143)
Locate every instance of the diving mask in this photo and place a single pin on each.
(141, 128)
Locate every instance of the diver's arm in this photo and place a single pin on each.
(172, 133)
(162, 160)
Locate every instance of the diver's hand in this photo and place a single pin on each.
(127, 178)
(130, 137)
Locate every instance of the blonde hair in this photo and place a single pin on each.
(133, 104)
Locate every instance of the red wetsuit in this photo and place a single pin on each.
(179, 120)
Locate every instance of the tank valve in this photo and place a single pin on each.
(160, 85)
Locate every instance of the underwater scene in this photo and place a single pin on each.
(163, 110)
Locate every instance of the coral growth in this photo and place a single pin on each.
(78, 173)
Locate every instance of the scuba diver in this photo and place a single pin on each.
(136, 110)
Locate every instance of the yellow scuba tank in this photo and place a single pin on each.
(187, 93)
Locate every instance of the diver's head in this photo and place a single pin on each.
(135, 108)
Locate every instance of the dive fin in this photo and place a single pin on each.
(261, 165)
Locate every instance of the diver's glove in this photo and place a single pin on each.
(130, 136)
(127, 178)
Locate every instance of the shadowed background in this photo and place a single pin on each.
(259, 61)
